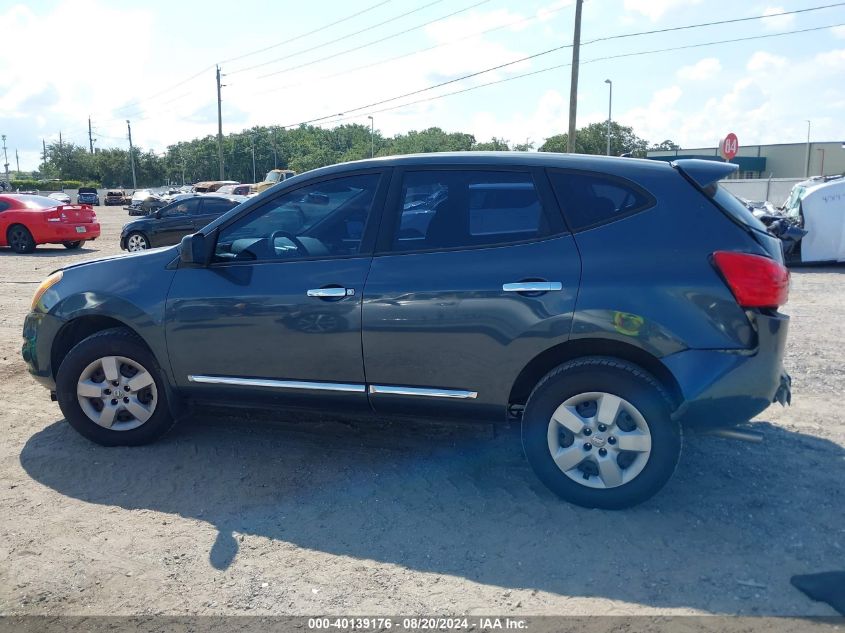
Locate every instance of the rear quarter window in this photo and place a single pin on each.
(734, 207)
(589, 199)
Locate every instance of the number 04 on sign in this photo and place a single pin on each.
(729, 146)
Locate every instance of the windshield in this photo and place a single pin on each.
(38, 202)
(792, 207)
(273, 176)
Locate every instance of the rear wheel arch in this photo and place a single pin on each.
(551, 358)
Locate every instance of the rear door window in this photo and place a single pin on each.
(467, 209)
(589, 199)
(215, 206)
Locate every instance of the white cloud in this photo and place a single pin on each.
(702, 70)
(838, 31)
(761, 61)
(656, 9)
(779, 22)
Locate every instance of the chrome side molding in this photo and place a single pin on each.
(278, 384)
(420, 391)
(334, 386)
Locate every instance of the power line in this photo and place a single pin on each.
(374, 42)
(337, 39)
(166, 90)
(606, 38)
(593, 41)
(299, 37)
(418, 51)
(566, 65)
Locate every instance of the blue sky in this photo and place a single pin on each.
(764, 89)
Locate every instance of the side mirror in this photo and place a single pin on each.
(196, 249)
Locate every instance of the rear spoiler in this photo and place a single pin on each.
(704, 172)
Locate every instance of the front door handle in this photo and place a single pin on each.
(533, 286)
(330, 293)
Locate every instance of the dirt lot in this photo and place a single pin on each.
(234, 516)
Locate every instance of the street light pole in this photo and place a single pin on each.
(609, 112)
(252, 138)
(372, 137)
(807, 157)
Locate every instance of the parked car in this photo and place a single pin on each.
(168, 225)
(274, 176)
(60, 197)
(29, 220)
(210, 186)
(236, 190)
(603, 302)
(87, 195)
(115, 197)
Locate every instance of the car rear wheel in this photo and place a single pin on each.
(598, 432)
(73, 245)
(20, 239)
(112, 391)
(137, 242)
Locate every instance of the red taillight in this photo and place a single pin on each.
(755, 281)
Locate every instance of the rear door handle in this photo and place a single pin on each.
(533, 286)
(331, 293)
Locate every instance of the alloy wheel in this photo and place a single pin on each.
(136, 242)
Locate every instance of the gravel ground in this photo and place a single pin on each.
(229, 515)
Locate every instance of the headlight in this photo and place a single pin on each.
(45, 285)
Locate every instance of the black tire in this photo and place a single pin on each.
(111, 342)
(73, 245)
(139, 236)
(20, 239)
(622, 379)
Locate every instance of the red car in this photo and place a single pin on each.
(26, 221)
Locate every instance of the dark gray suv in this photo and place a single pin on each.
(604, 302)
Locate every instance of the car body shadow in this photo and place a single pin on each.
(465, 503)
(47, 251)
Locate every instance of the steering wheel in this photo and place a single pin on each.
(300, 247)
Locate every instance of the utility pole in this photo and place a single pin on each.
(807, 158)
(220, 126)
(90, 139)
(131, 155)
(573, 86)
(60, 140)
(609, 112)
(5, 160)
(44, 150)
(18, 163)
(372, 137)
(275, 157)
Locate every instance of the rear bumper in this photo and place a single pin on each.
(60, 232)
(727, 387)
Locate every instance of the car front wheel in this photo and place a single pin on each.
(112, 391)
(598, 432)
(137, 242)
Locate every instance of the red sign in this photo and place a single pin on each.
(729, 146)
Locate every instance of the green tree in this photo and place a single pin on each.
(592, 139)
(496, 145)
(666, 145)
